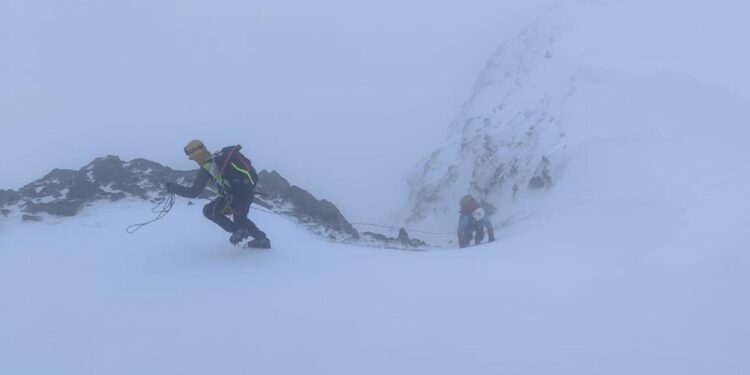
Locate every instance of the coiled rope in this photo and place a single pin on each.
(161, 209)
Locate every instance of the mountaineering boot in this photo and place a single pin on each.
(239, 235)
(259, 243)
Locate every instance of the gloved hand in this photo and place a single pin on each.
(170, 187)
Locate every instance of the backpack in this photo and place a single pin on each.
(468, 205)
(235, 167)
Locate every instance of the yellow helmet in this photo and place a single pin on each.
(196, 151)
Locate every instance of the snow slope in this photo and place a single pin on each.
(80, 296)
(634, 261)
(659, 80)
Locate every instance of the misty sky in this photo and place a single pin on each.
(342, 97)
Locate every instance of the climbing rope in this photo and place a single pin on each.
(367, 224)
(266, 211)
(165, 206)
(505, 223)
(161, 209)
(406, 229)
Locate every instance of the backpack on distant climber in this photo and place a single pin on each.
(468, 205)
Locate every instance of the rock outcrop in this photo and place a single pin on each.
(64, 192)
(319, 216)
(403, 241)
(509, 138)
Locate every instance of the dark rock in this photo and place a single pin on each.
(5, 212)
(263, 203)
(403, 237)
(31, 218)
(321, 210)
(141, 165)
(9, 197)
(64, 192)
(114, 197)
(82, 188)
(537, 182)
(108, 170)
(135, 190)
(146, 176)
(376, 236)
(63, 175)
(542, 178)
(277, 194)
(414, 242)
(57, 208)
(51, 184)
(402, 241)
(272, 184)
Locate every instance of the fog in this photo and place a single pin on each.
(343, 98)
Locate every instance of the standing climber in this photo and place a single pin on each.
(232, 177)
(472, 222)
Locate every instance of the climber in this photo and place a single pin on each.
(232, 177)
(472, 222)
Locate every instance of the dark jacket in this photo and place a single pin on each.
(238, 178)
(200, 183)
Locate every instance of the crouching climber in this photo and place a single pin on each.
(472, 222)
(232, 177)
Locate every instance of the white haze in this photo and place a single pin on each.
(342, 98)
(635, 261)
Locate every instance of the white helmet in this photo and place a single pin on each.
(478, 214)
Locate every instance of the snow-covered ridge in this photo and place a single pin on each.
(64, 192)
(318, 215)
(508, 135)
(583, 75)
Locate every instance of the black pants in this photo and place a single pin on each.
(475, 231)
(240, 207)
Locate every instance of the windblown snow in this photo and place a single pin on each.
(627, 255)
(627, 75)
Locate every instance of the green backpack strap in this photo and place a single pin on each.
(245, 172)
